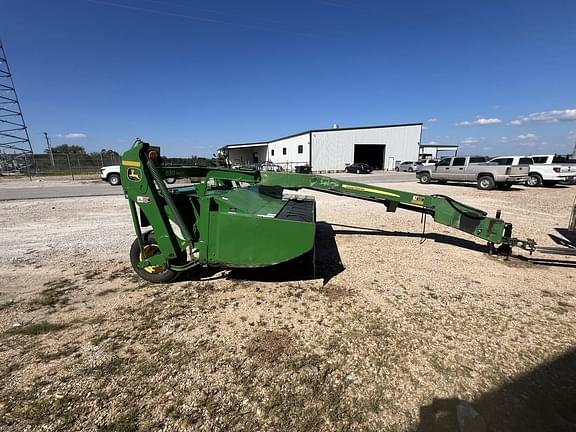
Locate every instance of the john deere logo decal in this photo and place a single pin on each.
(134, 174)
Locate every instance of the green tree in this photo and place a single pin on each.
(68, 148)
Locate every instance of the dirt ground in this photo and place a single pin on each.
(395, 333)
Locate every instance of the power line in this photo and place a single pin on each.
(272, 28)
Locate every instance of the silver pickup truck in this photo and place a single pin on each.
(469, 169)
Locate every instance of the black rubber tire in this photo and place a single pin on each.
(357, 171)
(164, 276)
(425, 178)
(486, 183)
(410, 169)
(114, 179)
(397, 169)
(534, 180)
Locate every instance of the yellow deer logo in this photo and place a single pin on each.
(134, 174)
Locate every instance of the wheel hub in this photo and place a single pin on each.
(150, 250)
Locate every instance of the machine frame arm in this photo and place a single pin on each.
(443, 209)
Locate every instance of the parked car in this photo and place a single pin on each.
(425, 163)
(409, 166)
(358, 168)
(471, 169)
(539, 174)
(269, 166)
(563, 166)
(111, 174)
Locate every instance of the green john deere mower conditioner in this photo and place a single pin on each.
(239, 219)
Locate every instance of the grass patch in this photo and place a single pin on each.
(270, 345)
(39, 328)
(112, 366)
(106, 291)
(125, 423)
(7, 305)
(93, 274)
(66, 352)
(55, 293)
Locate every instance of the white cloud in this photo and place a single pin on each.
(468, 141)
(480, 121)
(432, 120)
(527, 137)
(487, 121)
(431, 143)
(72, 135)
(533, 144)
(424, 128)
(554, 116)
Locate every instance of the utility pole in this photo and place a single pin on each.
(49, 149)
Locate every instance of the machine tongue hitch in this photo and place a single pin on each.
(237, 218)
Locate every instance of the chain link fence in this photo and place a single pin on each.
(76, 165)
(57, 164)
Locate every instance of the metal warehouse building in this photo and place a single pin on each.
(333, 149)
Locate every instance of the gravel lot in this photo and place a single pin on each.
(393, 336)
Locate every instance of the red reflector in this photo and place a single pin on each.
(556, 169)
(153, 155)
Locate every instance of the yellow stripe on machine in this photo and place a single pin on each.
(131, 163)
(369, 190)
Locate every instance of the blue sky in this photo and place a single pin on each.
(494, 77)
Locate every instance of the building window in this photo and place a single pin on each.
(300, 148)
(283, 150)
(272, 152)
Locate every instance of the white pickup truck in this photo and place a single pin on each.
(566, 162)
(540, 174)
(474, 169)
(111, 174)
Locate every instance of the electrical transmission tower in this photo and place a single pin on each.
(15, 147)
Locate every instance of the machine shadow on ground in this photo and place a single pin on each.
(454, 241)
(542, 400)
(440, 238)
(569, 239)
(324, 263)
(514, 188)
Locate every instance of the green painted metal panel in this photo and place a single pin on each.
(241, 240)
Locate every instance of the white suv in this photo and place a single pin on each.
(111, 174)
